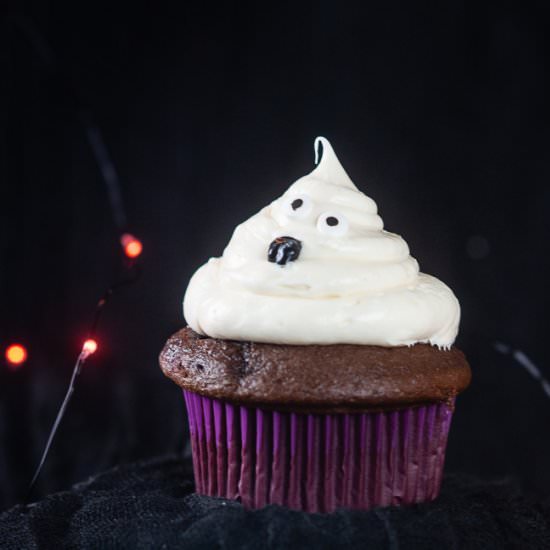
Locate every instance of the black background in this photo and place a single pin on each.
(435, 109)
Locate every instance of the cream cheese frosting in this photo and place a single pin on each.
(345, 280)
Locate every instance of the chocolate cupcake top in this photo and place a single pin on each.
(316, 267)
(312, 378)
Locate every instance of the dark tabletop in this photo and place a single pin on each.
(152, 505)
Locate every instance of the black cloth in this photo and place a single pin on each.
(152, 505)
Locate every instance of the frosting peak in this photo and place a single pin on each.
(329, 167)
(317, 267)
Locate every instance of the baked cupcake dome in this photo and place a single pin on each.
(340, 378)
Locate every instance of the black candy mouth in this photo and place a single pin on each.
(283, 250)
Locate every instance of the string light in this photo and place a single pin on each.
(16, 355)
(89, 347)
(132, 247)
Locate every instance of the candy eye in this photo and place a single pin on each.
(298, 206)
(332, 223)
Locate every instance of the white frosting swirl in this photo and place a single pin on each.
(352, 283)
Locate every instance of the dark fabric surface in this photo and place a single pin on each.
(152, 505)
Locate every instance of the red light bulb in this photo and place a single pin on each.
(89, 347)
(132, 247)
(16, 355)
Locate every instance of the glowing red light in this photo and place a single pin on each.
(90, 346)
(16, 355)
(132, 246)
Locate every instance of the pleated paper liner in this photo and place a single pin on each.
(317, 462)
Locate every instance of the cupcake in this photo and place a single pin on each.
(318, 366)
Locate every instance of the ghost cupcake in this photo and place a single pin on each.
(318, 365)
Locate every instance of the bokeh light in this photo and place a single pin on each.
(90, 346)
(16, 355)
(132, 246)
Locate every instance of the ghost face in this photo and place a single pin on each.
(300, 207)
(321, 239)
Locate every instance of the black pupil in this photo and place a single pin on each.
(296, 203)
(332, 221)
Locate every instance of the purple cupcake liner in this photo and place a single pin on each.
(317, 462)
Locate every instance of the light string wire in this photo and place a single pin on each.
(114, 195)
(85, 352)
